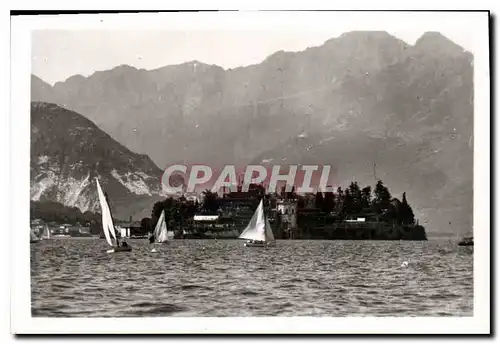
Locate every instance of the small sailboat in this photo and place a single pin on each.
(45, 233)
(467, 241)
(258, 231)
(33, 238)
(160, 234)
(107, 224)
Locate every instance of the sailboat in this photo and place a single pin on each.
(160, 234)
(258, 231)
(33, 237)
(46, 233)
(107, 224)
(467, 241)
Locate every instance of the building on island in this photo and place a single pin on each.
(287, 210)
(129, 229)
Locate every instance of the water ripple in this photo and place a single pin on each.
(76, 278)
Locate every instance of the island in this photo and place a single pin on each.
(352, 213)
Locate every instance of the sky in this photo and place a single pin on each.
(59, 54)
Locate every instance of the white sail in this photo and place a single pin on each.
(269, 231)
(160, 232)
(33, 236)
(107, 221)
(46, 232)
(256, 228)
(111, 227)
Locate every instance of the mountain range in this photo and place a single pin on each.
(368, 103)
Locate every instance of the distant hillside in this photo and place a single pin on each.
(358, 99)
(68, 152)
(49, 211)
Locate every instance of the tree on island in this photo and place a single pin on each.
(145, 225)
(347, 203)
(210, 201)
(301, 202)
(318, 201)
(339, 201)
(366, 197)
(171, 207)
(406, 211)
(356, 201)
(356, 196)
(382, 199)
(178, 212)
(328, 202)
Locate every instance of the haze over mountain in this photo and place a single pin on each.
(359, 99)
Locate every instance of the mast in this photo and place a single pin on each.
(266, 222)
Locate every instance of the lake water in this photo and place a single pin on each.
(76, 278)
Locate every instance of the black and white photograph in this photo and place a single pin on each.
(251, 172)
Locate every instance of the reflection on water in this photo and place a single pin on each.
(76, 278)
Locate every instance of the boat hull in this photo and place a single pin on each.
(260, 244)
(469, 241)
(151, 241)
(120, 249)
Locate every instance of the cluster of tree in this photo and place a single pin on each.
(177, 212)
(342, 203)
(360, 201)
(210, 202)
(50, 211)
